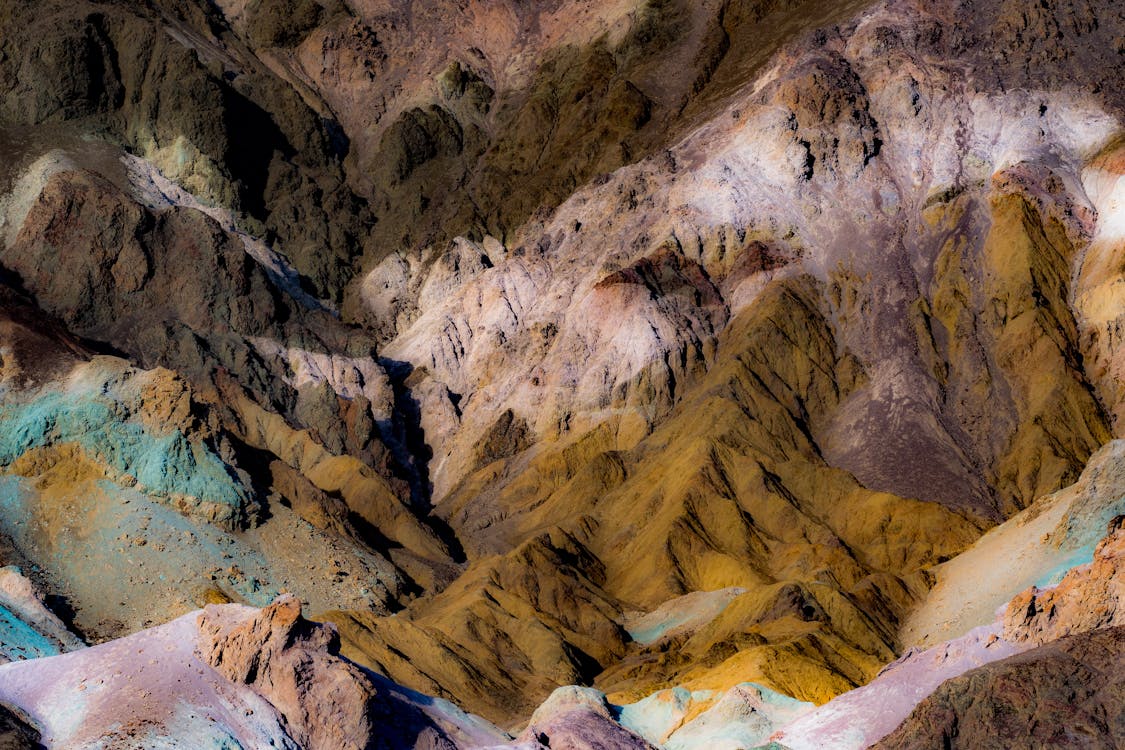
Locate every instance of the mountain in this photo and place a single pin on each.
(641, 373)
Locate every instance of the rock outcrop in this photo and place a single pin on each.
(292, 663)
(1091, 597)
(1046, 672)
(1069, 693)
(492, 329)
(578, 719)
(229, 676)
(1035, 548)
(1011, 674)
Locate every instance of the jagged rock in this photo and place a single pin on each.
(192, 449)
(101, 459)
(502, 633)
(194, 274)
(163, 79)
(325, 701)
(978, 688)
(1035, 548)
(272, 23)
(1068, 693)
(1049, 673)
(670, 297)
(1088, 598)
(229, 676)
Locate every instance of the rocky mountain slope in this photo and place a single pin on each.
(708, 356)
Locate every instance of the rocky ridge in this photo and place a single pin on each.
(1063, 694)
(1065, 691)
(288, 671)
(228, 676)
(491, 329)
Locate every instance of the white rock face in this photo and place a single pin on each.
(680, 615)
(349, 377)
(568, 326)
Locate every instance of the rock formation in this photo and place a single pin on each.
(1046, 672)
(1035, 548)
(1087, 598)
(291, 662)
(229, 676)
(725, 349)
(1067, 693)
(578, 719)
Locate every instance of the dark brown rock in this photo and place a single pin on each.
(16, 734)
(128, 269)
(244, 137)
(1066, 694)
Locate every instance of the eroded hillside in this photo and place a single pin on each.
(639, 345)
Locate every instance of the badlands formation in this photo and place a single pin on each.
(562, 374)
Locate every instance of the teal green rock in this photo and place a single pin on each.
(162, 465)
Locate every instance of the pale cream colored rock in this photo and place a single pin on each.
(1035, 548)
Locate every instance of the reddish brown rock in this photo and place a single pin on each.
(326, 701)
(1088, 598)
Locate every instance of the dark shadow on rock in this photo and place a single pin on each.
(404, 435)
(338, 142)
(255, 463)
(61, 608)
(254, 137)
(399, 711)
(21, 305)
(17, 734)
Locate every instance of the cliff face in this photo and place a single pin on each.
(1066, 691)
(1067, 694)
(641, 344)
